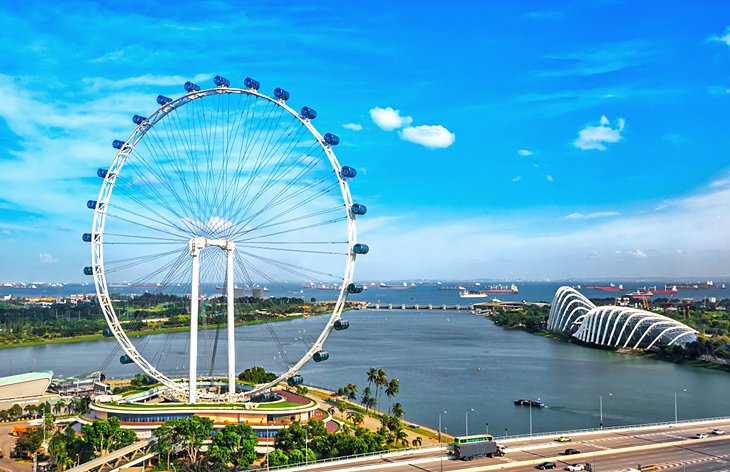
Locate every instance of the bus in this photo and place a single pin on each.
(474, 438)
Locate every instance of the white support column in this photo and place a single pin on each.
(195, 246)
(231, 321)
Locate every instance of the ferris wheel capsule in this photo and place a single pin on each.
(221, 81)
(191, 87)
(281, 94)
(253, 84)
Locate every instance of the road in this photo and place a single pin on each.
(669, 447)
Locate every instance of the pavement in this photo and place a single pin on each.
(7, 444)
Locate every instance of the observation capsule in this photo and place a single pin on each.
(341, 325)
(360, 248)
(321, 356)
(102, 172)
(163, 100)
(86, 237)
(253, 84)
(138, 119)
(107, 333)
(331, 139)
(117, 144)
(281, 94)
(348, 172)
(355, 288)
(221, 81)
(88, 270)
(125, 359)
(308, 113)
(295, 380)
(358, 209)
(91, 204)
(191, 87)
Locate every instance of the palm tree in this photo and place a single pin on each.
(370, 404)
(417, 442)
(392, 389)
(351, 391)
(365, 397)
(372, 375)
(401, 436)
(397, 410)
(380, 382)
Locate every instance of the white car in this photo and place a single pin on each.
(700, 435)
(718, 432)
(575, 467)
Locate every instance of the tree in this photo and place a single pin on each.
(277, 457)
(351, 391)
(401, 436)
(380, 382)
(104, 436)
(29, 443)
(342, 406)
(365, 397)
(167, 439)
(234, 444)
(62, 448)
(392, 389)
(397, 410)
(192, 432)
(417, 441)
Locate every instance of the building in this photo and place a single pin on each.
(25, 389)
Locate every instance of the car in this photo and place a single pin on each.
(571, 451)
(718, 432)
(700, 435)
(545, 465)
(575, 467)
(564, 439)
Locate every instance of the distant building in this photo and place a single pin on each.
(25, 389)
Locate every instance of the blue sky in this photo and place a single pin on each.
(495, 139)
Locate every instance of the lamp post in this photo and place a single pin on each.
(675, 404)
(306, 446)
(440, 413)
(486, 426)
(600, 406)
(467, 420)
(506, 432)
(530, 418)
(441, 453)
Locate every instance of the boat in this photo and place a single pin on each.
(451, 287)
(605, 288)
(395, 287)
(534, 403)
(485, 292)
(641, 293)
(707, 285)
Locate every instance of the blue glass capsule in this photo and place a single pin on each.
(360, 248)
(88, 270)
(295, 380)
(348, 172)
(341, 325)
(221, 81)
(281, 94)
(358, 209)
(251, 83)
(138, 119)
(91, 204)
(107, 333)
(163, 100)
(308, 113)
(191, 87)
(125, 359)
(331, 139)
(102, 173)
(86, 237)
(355, 288)
(117, 144)
(321, 356)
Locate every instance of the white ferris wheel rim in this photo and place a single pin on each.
(97, 243)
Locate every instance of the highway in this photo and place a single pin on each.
(669, 447)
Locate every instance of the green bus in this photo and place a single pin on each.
(474, 438)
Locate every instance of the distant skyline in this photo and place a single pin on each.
(530, 140)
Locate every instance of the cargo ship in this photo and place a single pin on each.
(536, 403)
(396, 287)
(708, 285)
(485, 292)
(605, 288)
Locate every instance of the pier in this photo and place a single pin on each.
(396, 306)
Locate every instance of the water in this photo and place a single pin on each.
(451, 361)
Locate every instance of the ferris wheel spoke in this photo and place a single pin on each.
(130, 264)
(300, 228)
(147, 218)
(292, 268)
(160, 217)
(304, 251)
(151, 238)
(142, 225)
(246, 264)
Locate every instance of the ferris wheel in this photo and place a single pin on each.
(219, 195)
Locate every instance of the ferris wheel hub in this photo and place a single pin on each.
(197, 244)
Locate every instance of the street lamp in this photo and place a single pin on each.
(600, 403)
(440, 413)
(486, 426)
(506, 432)
(306, 446)
(467, 420)
(675, 404)
(441, 453)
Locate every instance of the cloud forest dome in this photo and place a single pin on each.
(614, 326)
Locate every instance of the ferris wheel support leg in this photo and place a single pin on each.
(231, 325)
(194, 299)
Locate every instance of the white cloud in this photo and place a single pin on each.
(590, 216)
(46, 258)
(638, 253)
(596, 137)
(525, 152)
(389, 119)
(725, 39)
(431, 136)
(549, 178)
(353, 126)
(516, 178)
(101, 83)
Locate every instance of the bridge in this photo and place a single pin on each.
(129, 456)
(403, 306)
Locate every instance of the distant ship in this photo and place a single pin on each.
(396, 287)
(605, 288)
(451, 287)
(485, 292)
(536, 403)
(708, 285)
